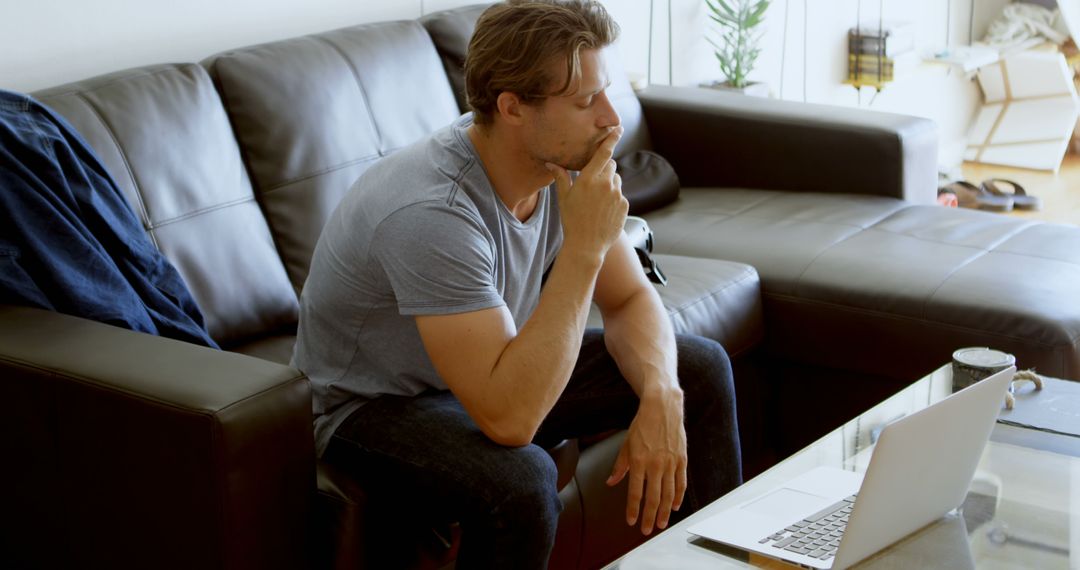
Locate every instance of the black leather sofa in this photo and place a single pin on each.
(803, 240)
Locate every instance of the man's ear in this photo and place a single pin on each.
(510, 107)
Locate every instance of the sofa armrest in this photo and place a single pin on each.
(721, 139)
(129, 450)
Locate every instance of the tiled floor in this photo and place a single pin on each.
(1060, 192)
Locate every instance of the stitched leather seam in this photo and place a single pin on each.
(205, 210)
(871, 227)
(327, 170)
(127, 165)
(284, 385)
(826, 249)
(1034, 256)
(757, 203)
(739, 279)
(915, 237)
(359, 84)
(740, 213)
(982, 254)
(939, 242)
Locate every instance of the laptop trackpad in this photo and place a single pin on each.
(784, 502)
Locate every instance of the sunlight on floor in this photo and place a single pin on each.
(1060, 192)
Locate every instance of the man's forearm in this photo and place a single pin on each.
(535, 366)
(640, 339)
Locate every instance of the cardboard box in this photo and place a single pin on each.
(1030, 108)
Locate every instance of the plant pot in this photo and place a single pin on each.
(754, 88)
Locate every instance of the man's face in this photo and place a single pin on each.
(566, 130)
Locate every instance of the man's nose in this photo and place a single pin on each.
(609, 117)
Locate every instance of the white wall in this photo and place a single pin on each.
(48, 42)
(811, 66)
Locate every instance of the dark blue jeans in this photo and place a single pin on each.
(425, 456)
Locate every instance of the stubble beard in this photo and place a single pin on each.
(581, 160)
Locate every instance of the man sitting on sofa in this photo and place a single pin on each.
(443, 321)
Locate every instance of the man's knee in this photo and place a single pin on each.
(527, 491)
(711, 419)
(704, 371)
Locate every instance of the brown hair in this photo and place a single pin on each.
(515, 41)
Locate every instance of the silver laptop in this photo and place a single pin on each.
(830, 518)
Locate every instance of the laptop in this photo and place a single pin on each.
(920, 470)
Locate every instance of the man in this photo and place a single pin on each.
(443, 320)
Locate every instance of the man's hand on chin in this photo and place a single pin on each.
(654, 455)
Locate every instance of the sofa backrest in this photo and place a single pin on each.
(163, 134)
(451, 31)
(313, 113)
(290, 126)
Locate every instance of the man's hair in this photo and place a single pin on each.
(516, 40)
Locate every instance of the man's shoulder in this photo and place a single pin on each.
(412, 201)
(443, 153)
(429, 169)
(435, 222)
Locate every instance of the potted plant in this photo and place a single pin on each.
(737, 50)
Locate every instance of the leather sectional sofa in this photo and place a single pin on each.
(804, 240)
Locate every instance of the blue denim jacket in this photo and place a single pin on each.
(70, 242)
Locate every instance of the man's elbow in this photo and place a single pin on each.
(509, 432)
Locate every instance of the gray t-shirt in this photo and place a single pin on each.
(422, 232)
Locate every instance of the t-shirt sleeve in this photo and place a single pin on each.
(438, 260)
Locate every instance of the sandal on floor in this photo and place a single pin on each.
(977, 197)
(1021, 200)
(947, 198)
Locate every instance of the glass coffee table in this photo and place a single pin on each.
(1021, 510)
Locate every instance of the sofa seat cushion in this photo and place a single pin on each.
(275, 347)
(713, 298)
(900, 286)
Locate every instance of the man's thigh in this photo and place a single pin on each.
(597, 398)
(426, 450)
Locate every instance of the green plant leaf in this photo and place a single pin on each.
(724, 23)
(736, 50)
(759, 12)
(725, 7)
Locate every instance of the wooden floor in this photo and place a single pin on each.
(1060, 192)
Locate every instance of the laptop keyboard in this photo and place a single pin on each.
(818, 535)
